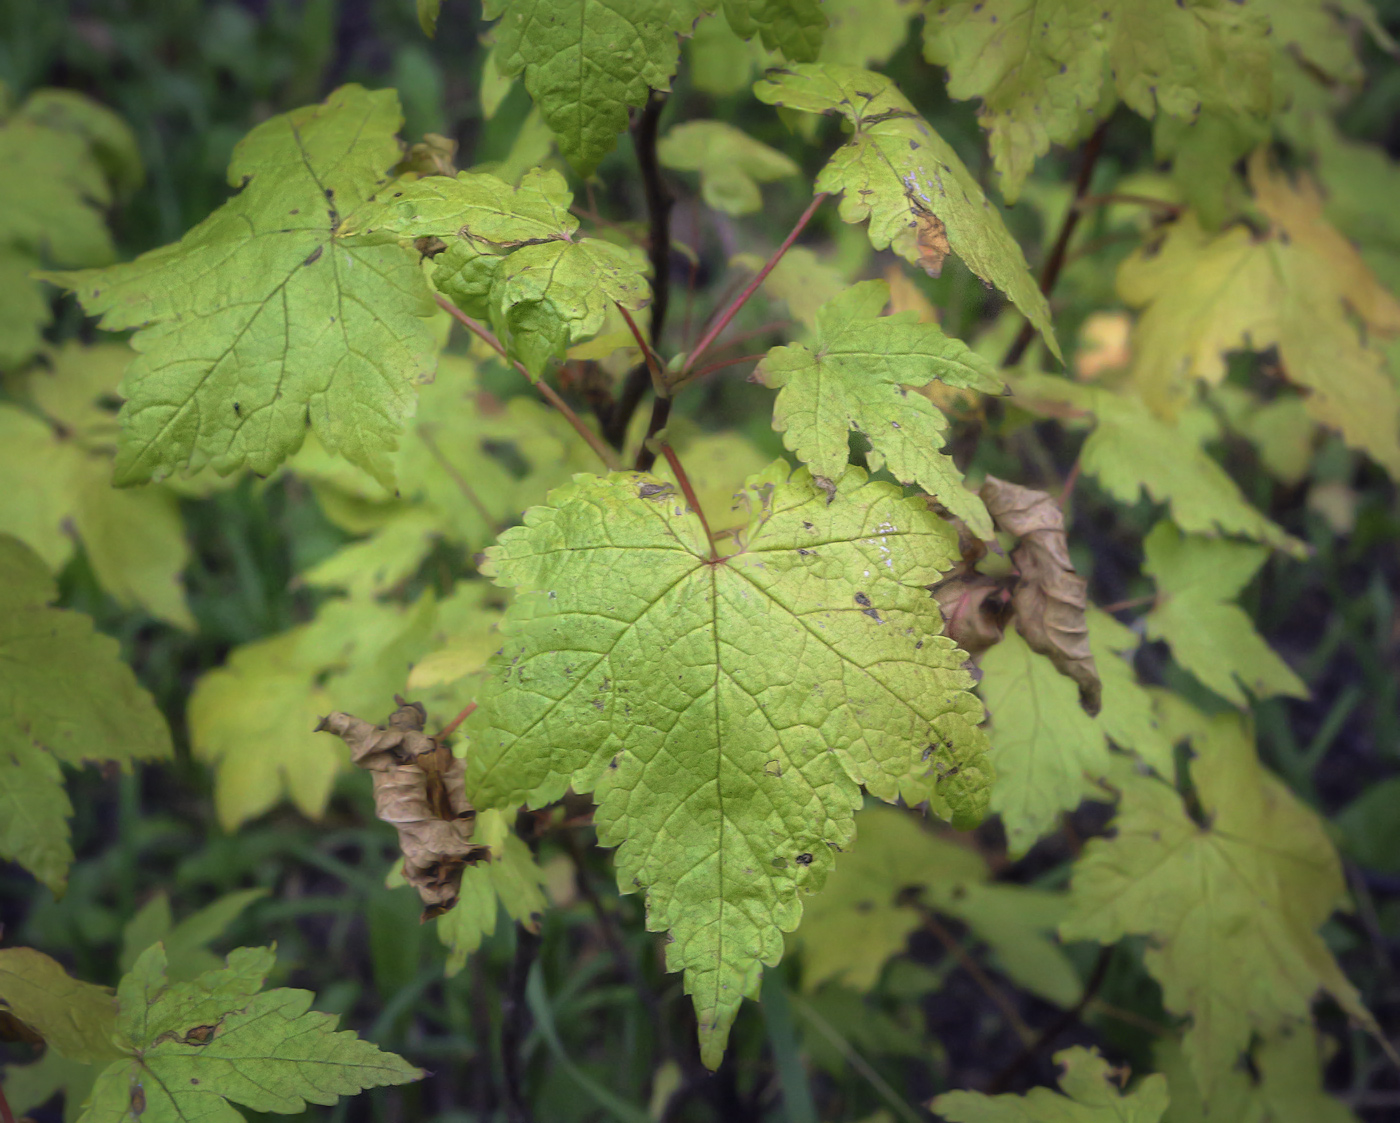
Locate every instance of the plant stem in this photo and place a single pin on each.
(451, 726)
(658, 201)
(457, 478)
(482, 332)
(1056, 261)
(689, 492)
(1066, 1019)
(752, 286)
(695, 376)
(653, 363)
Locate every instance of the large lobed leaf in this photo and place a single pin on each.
(1232, 904)
(263, 320)
(856, 376)
(65, 698)
(192, 1047)
(725, 710)
(906, 179)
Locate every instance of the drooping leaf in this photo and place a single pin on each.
(254, 719)
(730, 162)
(1232, 904)
(263, 319)
(724, 708)
(1283, 1084)
(902, 176)
(794, 27)
(1046, 71)
(65, 697)
(509, 880)
(1215, 640)
(855, 377)
(1301, 288)
(586, 62)
(191, 1048)
(63, 159)
(1131, 450)
(74, 1018)
(512, 257)
(1090, 1095)
(57, 456)
(1049, 599)
(1047, 751)
(418, 788)
(185, 943)
(862, 915)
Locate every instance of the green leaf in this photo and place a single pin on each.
(263, 319)
(906, 179)
(1232, 903)
(1127, 714)
(794, 27)
(512, 257)
(586, 62)
(726, 711)
(861, 917)
(865, 32)
(192, 1047)
(254, 719)
(1301, 288)
(1132, 450)
(65, 697)
(75, 1019)
(185, 943)
(428, 12)
(61, 157)
(1046, 750)
(857, 376)
(510, 880)
(59, 456)
(719, 62)
(1041, 69)
(1091, 1095)
(730, 162)
(1212, 638)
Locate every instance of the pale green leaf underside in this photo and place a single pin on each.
(898, 173)
(1197, 579)
(1046, 69)
(262, 319)
(195, 1046)
(65, 696)
(586, 62)
(726, 714)
(1091, 1094)
(855, 377)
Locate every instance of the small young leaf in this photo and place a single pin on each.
(855, 377)
(902, 176)
(192, 1047)
(1091, 1095)
(586, 62)
(65, 696)
(1232, 906)
(263, 318)
(1211, 638)
(724, 710)
(730, 162)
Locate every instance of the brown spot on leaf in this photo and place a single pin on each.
(931, 239)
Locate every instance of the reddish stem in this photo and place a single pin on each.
(451, 727)
(752, 286)
(6, 1114)
(482, 332)
(699, 374)
(689, 492)
(653, 363)
(1068, 489)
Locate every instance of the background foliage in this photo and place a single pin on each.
(251, 606)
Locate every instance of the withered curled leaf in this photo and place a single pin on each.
(1049, 599)
(418, 786)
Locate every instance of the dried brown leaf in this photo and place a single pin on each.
(931, 238)
(419, 787)
(1050, 599)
